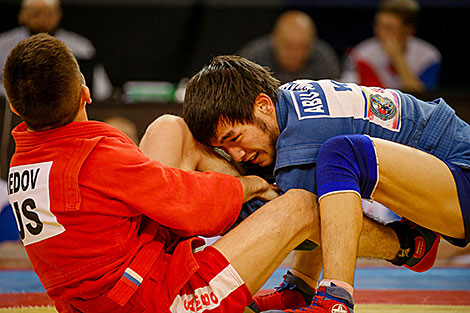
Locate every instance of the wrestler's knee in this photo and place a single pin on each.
(303, 197)
(302, 204)
(347, 163)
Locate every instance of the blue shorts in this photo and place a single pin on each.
(462, 181)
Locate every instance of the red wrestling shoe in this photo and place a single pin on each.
(328, 299)
(291, 294)
(418, 246)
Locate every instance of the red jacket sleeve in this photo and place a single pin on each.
(190, 203)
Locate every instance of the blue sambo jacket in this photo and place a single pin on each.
(310, 112)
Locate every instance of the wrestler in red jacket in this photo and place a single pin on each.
(107, 229)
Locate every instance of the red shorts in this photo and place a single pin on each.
(216, 287)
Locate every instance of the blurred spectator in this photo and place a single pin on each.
(38, 16)
(394, 58)
(293, 51)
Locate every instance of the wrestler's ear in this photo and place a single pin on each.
(85, 96)
(13, 109)
(264, 103)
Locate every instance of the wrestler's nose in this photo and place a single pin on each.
(237, 153)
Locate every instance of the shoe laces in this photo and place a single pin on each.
(283, 286)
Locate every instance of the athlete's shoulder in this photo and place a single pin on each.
(307, 84)
(322, 98)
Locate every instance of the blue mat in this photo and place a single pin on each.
(366, 278)
(399, 278)
(19, 282)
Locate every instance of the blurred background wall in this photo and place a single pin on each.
(167, 40)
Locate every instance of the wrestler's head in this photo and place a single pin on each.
(43, 82)
(230, 104)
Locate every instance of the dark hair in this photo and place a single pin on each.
(406, 10)
(225, 90)
(42, 82)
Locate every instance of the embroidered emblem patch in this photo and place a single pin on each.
(382, 107)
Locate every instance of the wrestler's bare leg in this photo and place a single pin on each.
(418, 186)
(261, 242)
(376, 241)
(407, 186)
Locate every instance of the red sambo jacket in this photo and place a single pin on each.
(96, 215)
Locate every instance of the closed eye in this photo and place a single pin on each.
(235, 138)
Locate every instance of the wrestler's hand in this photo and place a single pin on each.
(257, 187)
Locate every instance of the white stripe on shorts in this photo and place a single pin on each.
(209, 297)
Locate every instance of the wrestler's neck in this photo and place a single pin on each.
(81, 115)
